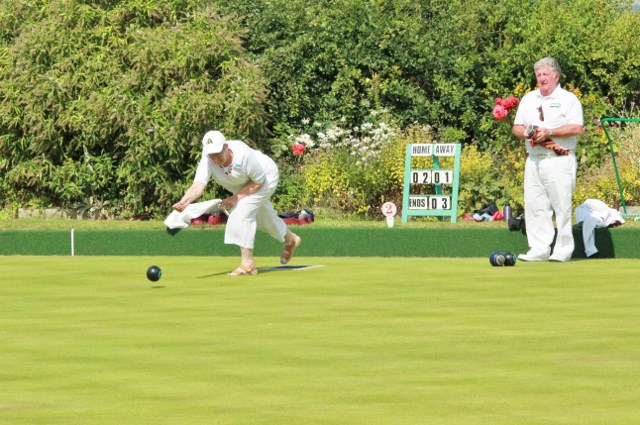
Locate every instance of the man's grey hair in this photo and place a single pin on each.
(550, 63)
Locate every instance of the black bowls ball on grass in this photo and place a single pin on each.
(154, 273)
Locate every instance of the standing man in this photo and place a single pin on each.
(550, 169)
(252, 178)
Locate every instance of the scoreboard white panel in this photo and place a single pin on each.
(442, 149)
(431, 176)
(429, 202)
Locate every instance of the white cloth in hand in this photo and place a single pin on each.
(182, 220)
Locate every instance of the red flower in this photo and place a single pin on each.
(503, 106)
(510, 102)
(500, 112)
(298, 149)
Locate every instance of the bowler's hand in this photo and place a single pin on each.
(541, 135)
(229, 202)
(179, 206)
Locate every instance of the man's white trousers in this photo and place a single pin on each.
(251, 213)
(549, 183)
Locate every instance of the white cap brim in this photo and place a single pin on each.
(213, 142)
(213, 148)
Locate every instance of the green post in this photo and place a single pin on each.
(603, 121)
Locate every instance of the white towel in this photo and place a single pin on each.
(182, 220)
(595, 213)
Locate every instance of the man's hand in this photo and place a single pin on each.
(193, 193)
(179, 206)
(540, 137)
(230, 202)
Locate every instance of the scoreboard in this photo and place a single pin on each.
(431, 191)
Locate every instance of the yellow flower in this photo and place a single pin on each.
(574, 90)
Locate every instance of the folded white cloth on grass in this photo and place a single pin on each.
(182, 220)
(595, 213)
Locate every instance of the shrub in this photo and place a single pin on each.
(351, 172)
(109, 100)
(480, 180)
(602, 183)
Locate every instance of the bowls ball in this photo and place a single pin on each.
(497, 259)
(510, 259)
(154, 273)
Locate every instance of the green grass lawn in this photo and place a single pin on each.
(88, 340)
(414, 222)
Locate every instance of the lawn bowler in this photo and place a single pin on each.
(549, 175)
(252, 178)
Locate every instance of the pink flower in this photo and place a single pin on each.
(510, 102)
(298, 149)
(500, 112)
(498, 101)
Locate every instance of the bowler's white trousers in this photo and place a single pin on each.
(549, 183)
(251, 213)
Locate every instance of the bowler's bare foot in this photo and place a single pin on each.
(243, 270)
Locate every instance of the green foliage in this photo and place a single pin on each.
(442, 64)
(351, 172)
(585, 37)
(479, 180)
(332, 60)
(292, 193)
(329, 60)
(347, 170)
(109, 100)
(331, 178)
(602, 183)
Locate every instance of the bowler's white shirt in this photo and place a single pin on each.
(248, 165)
(559, 108)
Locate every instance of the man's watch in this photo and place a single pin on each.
(550, 133)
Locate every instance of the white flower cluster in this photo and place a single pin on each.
(305, 139)
(369, 140)
(364, 143)
(334, 137)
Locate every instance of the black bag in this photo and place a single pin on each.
(297, 217)
(490, 209)
(518, 223)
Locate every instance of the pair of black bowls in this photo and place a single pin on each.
(499, 259)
